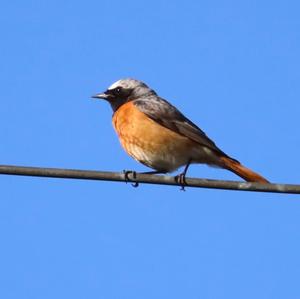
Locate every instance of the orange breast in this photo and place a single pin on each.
(150, 143)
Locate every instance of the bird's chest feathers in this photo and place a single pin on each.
(147, 141)
(135, 127)
(124, 120)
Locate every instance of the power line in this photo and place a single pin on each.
(146, 178)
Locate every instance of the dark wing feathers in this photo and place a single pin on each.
(170, 117)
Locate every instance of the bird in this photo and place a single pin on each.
(158, 135)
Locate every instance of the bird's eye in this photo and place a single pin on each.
(118, 90)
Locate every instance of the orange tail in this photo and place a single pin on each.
(242, 171)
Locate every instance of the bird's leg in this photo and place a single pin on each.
(136, 184)
(127, 179)
(181, 177)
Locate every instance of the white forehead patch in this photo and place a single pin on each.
(116, 84)
(127, 83)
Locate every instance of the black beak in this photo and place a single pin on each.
(103, 95)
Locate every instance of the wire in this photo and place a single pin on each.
(146, 178)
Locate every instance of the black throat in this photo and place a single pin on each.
(116, 104)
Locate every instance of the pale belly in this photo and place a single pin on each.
(159, 154)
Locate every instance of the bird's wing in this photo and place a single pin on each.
(170, 117)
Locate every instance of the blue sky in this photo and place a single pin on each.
(231, 66)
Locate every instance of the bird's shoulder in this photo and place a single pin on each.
(167, 115)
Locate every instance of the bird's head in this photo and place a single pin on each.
(123, 91)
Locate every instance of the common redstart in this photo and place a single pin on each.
(158, 135)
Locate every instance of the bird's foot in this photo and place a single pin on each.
(180, 179)
(127, 178)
